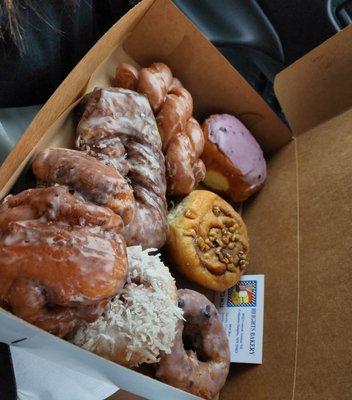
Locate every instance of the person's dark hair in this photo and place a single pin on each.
(11, 16)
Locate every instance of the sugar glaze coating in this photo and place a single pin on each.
(202, 367)
(181, 134)
(123, 120)
(61, 258)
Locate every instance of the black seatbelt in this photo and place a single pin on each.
(8, 389)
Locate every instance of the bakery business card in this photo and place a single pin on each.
(241, 310)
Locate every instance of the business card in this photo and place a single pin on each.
(241, 309)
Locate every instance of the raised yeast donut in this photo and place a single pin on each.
(56, 203)
(61, 258)
(200, 358)
(154, 82)
(102, 184)
(208, 241)
(53, 274)
(126, 76)
(184, 167)
(234, 160)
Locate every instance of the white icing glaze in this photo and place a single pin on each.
(118, 117)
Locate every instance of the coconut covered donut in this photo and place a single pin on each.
(142, 322)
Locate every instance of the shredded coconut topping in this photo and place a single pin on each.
(141, 322)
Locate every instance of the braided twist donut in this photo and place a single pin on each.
(61, 259)
(174, 114)
(154, 82)
(123, 120)
(200, 358)
(173, 107)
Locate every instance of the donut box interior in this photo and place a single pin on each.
(299, 224)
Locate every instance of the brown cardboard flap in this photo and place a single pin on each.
(210, 78)
(301, 239)
(272, 221)
(318, 87)
(324, 357)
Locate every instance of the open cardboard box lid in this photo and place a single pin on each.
(299, 224)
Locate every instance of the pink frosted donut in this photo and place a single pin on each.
(233, 159)
(200, 358)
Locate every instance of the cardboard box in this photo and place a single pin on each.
(299, 224)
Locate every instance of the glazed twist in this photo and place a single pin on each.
(119, 128)
(182, 137)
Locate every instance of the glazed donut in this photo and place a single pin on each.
(173, 106)
(141, 323)
(200, 358)
(56, 203)
(119, 117)
(61, 258)
(208, 241)
(99, 183)
(28, 300)
(53, 274)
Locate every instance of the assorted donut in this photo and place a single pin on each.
(234, 161)
(200, 358)
(208, 241)
(89, 253)
(61, 258)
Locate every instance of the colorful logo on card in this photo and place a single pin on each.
(244, 294)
